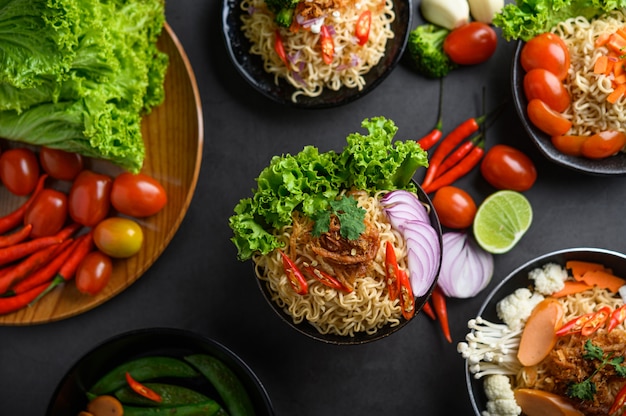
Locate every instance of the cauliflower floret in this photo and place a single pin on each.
(515, 309)
(501, 400)
(548, 279)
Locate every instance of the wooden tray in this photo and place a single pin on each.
(173, 136)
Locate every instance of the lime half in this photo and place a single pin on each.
(501, 221)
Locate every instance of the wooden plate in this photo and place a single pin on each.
(173, 136)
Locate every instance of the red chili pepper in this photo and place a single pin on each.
(392, 272)
(620, 400)
(142, 390)
(294, 275)
(575, 325)
(15, 237)
(441, 309)
(617, 317)
(26, 248)
(14, 303)
(428, 310)
(596, 322)
(430, 139)
(326, 279)
(363, 25)
(279, 47)
(15, 218)
(27, 266)
(457, 171)
(448, 144)
(407, 300)
(82, 247)
(459, 154)
(327, 44)
(47, 272)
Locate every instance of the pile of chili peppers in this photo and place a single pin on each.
(31, 267)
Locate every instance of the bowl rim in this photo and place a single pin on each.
(310, 331)
(176, 335)
(612, 166)
(591, 253)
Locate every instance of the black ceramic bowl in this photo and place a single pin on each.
(360, 338)
(69, 396)
(614, 165)
(251, 66)
(519, 278)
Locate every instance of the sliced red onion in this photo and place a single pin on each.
(423, 254)
(409, 216)
(466, 269)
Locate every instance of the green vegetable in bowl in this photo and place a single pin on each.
(78, 75)
(525, 19)
(283, 9)
(425, 47)
(309, 180)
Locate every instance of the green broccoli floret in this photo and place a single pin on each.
(283, 9)
(425, 47)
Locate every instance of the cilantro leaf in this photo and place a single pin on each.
(351, 218)
(584, 390)
(593, 351)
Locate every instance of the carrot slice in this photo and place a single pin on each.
(601, 65)
(616, 43)
(539, 402)
(604, 280)
(571, 287)
(579, 268)
(601, 40)
(616, 94)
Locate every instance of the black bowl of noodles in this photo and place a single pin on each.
(150, 345)
(519, 278)
(357, 337)
(252, 68)
(613, 165)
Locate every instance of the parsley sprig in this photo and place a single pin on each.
(350, 215)
(586, 389)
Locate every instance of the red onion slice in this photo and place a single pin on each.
(423, 255)
(466, 269)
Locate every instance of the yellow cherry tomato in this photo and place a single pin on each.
(118, 237)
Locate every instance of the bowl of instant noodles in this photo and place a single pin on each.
(589, 111)
(592, 277)
(176, 364)
(292, 67)
(345, 246)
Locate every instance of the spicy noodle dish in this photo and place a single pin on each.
(341, 240)
(558, 345)
(318, 44)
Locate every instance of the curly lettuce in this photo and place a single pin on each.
(78, 75)
(308, 181)
(525, 19)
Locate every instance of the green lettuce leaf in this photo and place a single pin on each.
(87, 88)
(525, 19)
(308, 181)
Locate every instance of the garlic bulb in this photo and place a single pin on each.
(446, 13)
(484, 10)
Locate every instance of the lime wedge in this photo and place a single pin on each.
(501, 221)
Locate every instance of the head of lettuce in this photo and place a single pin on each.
(78, 75)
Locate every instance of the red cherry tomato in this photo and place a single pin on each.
(569, 144)
(93, 273)
(546, 119)
(90, 198)
(547, 51)
(603, 144)
(47, 213)
(137, 195)
(506, 167)
(118, 237)
(543, 84)
(19, 170)
(455, 207)
(471, 43)
(60, 164)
